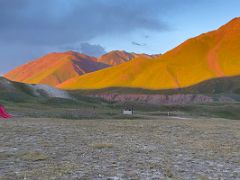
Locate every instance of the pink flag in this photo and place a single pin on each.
(3, 113)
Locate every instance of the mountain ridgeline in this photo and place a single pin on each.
(56, 68)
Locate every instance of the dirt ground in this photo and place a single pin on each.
(155, 148)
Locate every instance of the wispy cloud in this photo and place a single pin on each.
(138, 44)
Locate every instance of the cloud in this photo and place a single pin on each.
(92, 49)
(85, 48)
(68, 21)
(138, 44)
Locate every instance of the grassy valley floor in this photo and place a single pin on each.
(154, 147)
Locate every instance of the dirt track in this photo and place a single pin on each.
(119, 149)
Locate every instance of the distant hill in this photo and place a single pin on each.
(55, 68)
(211, 55)
(114, 58)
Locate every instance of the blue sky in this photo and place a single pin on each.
(30, 29)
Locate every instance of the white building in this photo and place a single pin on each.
(128, 111)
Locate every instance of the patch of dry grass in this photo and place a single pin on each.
(50, 171)
(33, 156)
(4, 155)
(102, 145)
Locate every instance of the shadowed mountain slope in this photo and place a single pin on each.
(224, 85)
(20, 92)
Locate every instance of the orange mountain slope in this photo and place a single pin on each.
(118, 57)
(210, 55)
(55, 68)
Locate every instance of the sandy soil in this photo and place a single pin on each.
(159, 148)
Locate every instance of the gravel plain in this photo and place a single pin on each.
(151, 148)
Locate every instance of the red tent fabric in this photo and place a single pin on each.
(3, 113)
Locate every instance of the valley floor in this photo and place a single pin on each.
(154, 148)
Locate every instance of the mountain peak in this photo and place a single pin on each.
(118, 51)
(71, 52)
(78, 55)
(233, 25)
(235, 20)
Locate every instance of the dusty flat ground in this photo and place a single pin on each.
(157, 148)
